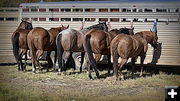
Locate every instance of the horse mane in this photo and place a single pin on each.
(139, 34)
(115, 31)
(97, 26)
(121, 30)
(124, 30)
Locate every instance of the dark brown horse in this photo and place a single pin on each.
(40, 40)
(98, 42)
(125, 47)
(19, 41)
(71, 40)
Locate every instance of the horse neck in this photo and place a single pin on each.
(98, 26)
(110, 37)
(53, 33)
(84, 31)
(55, 30)
(59, 29)
(114, 33)
(147, 36)
(21, 27)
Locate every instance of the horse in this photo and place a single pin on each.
(40, 40)
(19, 41)
(98, 42)
(71, 40)
(125, 47)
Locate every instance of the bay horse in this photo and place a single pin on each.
(125, 47)
(98, 42)
(19, 41)
(40, 40)
(71, 40)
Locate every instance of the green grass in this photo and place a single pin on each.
(27, 86)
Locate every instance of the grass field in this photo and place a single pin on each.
(48, 86)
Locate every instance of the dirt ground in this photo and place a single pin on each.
(49, 86)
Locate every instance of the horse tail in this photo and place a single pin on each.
(59, 50)
(15, 44)
(89, 50)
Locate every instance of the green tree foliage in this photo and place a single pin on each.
(15, 3)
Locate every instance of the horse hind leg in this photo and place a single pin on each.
(67, 55)
(32, 54)
(133, 60)
(23, 52)
(25, 61)
(115, 65)
(39, 53)
(55, 60)
(142, 61)
(50, 63)
(123, 61)
(20, 61)
(82, 60)
(109, 64)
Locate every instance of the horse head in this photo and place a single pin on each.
(100, 26)
(63, 27)
(104, 26)
(154, 43)
(25, 25)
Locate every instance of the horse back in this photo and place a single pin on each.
(69, 40)
(98, 41)
(148, 35)
(129, 46)
(38, 38)
(22, 37)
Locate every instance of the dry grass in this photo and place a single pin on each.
(49, 86)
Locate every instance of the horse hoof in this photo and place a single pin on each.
(141, 75)
(58, 73)
(90, 77)
(114, 78)
(35, 72)
(122, 78)
(109, 72)
(64, 73)
(98, 75)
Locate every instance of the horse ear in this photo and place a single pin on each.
(29, 20)
(22, 20)
(68, 26)
(62, 25)
(132, 28)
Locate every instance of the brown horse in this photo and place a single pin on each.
(125, 47)
(71, 40)
(40, 40)
(98, 42)
(151, 37)
(19, 41)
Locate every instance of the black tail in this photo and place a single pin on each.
(15, 44)
(59, 50)
(89, 51)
